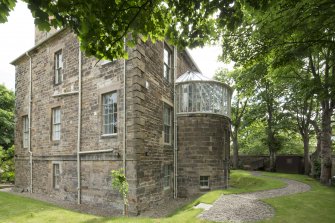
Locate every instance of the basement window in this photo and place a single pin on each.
(167, 176)
(56, 175)
(204, 182)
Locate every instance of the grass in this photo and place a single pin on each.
(241, 182)
(318, 205)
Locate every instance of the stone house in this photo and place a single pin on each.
(78, 118)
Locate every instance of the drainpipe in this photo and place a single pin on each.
(175, 150)
(124, 119)
(79, 128)
(29, 124)
(124, 109)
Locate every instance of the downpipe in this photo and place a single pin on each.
(29, 123)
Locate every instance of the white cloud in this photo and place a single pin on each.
(16, 36)
(207, 60)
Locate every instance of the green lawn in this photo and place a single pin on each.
(316, 205)
(307, 207)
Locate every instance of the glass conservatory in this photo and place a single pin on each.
(196, 93)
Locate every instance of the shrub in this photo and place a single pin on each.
(316, 168)
(120, 183)
(7, 169)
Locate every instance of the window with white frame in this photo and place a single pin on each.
(58, 67)
(166, 176)
(109, 113)
(56, 123)
(56, 175)
(167, 121)
(167, 63)
(25, 130)
(204, 181)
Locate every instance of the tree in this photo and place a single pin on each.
(7, 172)
(239, 104)
(301, 106)
(7, 101)
(285, 32)
(101, 25)
(267, 104)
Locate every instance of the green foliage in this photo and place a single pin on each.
(253, 139)
(7, 101)
(7, 168)
(101, 25)
(317, 168)
(295, 42)
(5, 7)
(119, 182)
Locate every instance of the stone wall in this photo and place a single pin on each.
(284, 163)
(40, 36)
(146, 154)
(97, 78)
(149, 91)
(253, 162)
(203, 140)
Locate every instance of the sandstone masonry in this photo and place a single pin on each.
(149, 159)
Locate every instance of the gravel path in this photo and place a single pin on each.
(247, 207)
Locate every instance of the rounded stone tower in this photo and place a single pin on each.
(203, 130)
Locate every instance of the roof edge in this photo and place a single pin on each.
(37, 45)
(192, 60)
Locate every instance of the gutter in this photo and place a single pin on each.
(29, 123)
(96, 151)
(66, 93)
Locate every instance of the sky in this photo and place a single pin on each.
(17, 36)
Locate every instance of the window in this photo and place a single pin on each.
(56, 175)
(166, 176)
(58, 67)
(25, 130)
(204, 181)
(167, 123)
(109, 110)
(167, 63)
(56, 123)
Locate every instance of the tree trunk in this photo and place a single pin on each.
(235, 150)
(307, 162)
(326, 152)
(272, 161)
(316, 155)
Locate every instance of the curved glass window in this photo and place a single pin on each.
(203, 97)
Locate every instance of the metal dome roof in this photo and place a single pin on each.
(192, 76)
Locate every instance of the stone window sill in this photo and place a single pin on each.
(104, 136)
(55, 142)
(204, 188)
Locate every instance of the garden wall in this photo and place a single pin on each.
(284, 163)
